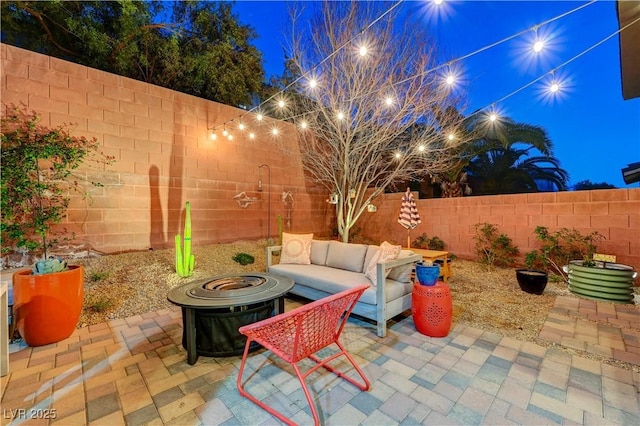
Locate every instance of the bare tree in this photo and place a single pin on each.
(381, 112)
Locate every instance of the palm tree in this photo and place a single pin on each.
(505, 171)
(498, 160)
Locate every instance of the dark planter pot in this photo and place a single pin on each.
(532, 281)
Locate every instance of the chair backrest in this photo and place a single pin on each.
(296, 334)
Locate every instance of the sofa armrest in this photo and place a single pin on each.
(270, 250)
(381, 296)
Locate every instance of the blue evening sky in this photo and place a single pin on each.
(594, 131)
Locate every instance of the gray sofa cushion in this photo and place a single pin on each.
(332, 280)
(319, 251)
(346, 256)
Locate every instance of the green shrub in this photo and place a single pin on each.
(243, 258)
(96, 276)
(494, 249)
(559, 247)
(100, 304)
(424, 242)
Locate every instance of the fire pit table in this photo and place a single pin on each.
(214, 308)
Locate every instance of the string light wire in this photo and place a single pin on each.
(332, 54)
(449, 63)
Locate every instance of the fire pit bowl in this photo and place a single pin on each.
(214, 308)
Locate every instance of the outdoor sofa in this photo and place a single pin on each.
(335, 266)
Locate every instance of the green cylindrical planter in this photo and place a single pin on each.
(613, 283)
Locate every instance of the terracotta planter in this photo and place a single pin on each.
(48, 306)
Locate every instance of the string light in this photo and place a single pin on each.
(213, 136)
(252, 135)
(450, 78)
(281, 104)
(398, 155)
(303, 124)
(241, 126)
(340, 115)
(225, 132)
(388, 101)
(451, 136)
(230, 137)
(421, 148)
(275, 131)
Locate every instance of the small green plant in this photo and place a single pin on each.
(559, 247)
(424, 242)
(494, 249)
(243, 258)
(96, 276)
(100, 304)
(48, 266)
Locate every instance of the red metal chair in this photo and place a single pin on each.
(299, 334)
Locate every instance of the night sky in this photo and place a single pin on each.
(594, 131)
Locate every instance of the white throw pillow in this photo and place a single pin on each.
(296, 248)
(386, 252)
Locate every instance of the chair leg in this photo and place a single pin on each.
(250, 397)
(362, 386)
(301, 377)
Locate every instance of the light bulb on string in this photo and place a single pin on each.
(241, 126)
(259, 117)
(438, 2)
(451, 136)
(275, 131)
(230, 137)
(421, 148)
(537, 46)
(225, 132)
(252, 135)
(388, 101)
(363, 50)
(398, 155)
(313, 83)
(340, 115)
(213, 136)
(281, 104)
(303, 124)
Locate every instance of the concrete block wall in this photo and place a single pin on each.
(614, 213)
(164, 157)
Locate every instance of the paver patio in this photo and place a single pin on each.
(133, 371)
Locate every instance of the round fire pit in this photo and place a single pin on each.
(214, 308)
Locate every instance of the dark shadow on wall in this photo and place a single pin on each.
(157, 238)
(174, 203)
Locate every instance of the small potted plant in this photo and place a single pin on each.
(37, 174)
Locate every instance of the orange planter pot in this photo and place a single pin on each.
(47, 307)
